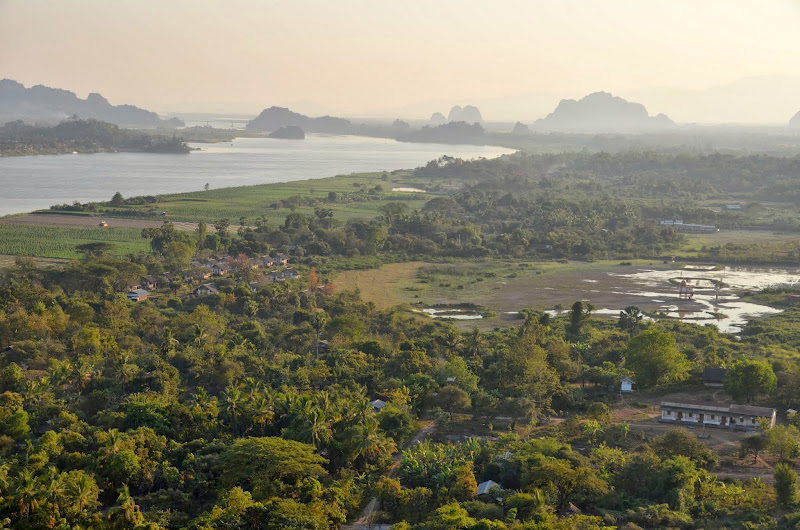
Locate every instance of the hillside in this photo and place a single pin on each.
(602, 112)
(41, 104)
(795, 121)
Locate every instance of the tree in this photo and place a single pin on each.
(117, 199)
(629, 319)
(754, 444)
(578, 316)
(785, 484)
(748, 379)
(269, 466)
(782, 441)
(95, 248)
(654, 358)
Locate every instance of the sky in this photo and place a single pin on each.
(704, 61)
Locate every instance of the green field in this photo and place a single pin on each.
(357, 198)
(60, 241)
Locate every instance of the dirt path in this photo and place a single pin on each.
(364, 521)
(88, 221)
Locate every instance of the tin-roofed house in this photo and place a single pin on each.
(737, 417)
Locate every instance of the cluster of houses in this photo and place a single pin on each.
(218, 267)
(224, 265)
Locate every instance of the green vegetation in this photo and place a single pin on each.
(255, 406)
(61, 242)
(85, 136)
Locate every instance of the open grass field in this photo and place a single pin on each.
(507, 286)
(60, 241)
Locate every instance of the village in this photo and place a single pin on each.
(224, 266)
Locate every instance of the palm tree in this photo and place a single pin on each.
(168, 341)
(451, 340)
(232, 400)
(365, 444)
(127, 507)
(474, 341)
(309, 422)
(28, 493)
(262, 411)
(83, 493)
(55, 491)
(625, 428)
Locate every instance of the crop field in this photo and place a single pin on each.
(60, 242)
(253, 202)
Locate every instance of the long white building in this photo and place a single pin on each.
(743, 417)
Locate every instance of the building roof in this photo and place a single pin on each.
(715, 375)
(209, 287)
(749, 410)
(486, 487)
(744, 410)
(151, 279)
(138, 292)
(378, 403)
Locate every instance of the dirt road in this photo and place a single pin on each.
(88, 221)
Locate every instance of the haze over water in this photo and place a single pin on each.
(37, 182)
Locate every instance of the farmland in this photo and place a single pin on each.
(60, 242)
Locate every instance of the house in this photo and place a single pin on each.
(737, 417)
(149, 282)
(542, 247)
(322, 346)
(626, 385)
(377, 405)
(132, 287)
(714, 377)
(220, 269)
(266, 261)
(485, 488)
(206, 289)
(281, 259)
(290, 274)
(253, 286)
(137, 295)
(275, 276)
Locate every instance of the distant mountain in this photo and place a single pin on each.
(437, 118)
(520, 128)
(468, 114)
(274, 118)
(602, 112)
(41, 104)
(795, 121)
(455, 132)
(290, 132)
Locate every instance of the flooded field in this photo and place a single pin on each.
(507, 287)
(716, 293)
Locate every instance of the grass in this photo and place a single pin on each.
(253, 202)
(60, 241)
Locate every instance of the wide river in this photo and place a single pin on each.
(36, 182)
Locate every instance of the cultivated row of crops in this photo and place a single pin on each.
(60, 241)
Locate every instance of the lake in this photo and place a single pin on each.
(37, 182)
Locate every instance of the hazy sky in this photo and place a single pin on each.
(516, 59)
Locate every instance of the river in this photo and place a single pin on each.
(36, 182)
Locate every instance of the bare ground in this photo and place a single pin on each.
(87, 221)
